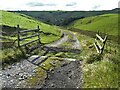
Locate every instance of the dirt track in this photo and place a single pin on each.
(69, 75)
(75, 44)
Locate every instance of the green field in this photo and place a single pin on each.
(106, 23)
(25, 22)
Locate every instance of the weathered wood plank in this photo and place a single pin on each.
(21, 39)
(96, 48)
(102, 40)
(39, 34)
(29, 31)
(40, 60)
(33, 58)
(29, 42)
(105, 39)
(18, 35)
(100, 47)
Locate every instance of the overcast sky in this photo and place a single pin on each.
(67, 5)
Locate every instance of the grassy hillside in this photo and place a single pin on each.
(106, 23)
(9, 53)
(63, 18)
(12, 19)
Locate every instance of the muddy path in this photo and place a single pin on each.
(69, 75)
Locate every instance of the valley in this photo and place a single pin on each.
(66, 57)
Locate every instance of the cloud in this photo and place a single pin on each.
(71, 4)
(35, 4)
(96, 7)
(119, 4)
(50, 4)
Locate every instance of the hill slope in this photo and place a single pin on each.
(106, 23)
(63, 18)
(13, 19)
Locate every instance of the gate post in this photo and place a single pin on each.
(18, 35)
(39, 34)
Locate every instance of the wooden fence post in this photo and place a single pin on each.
(105, 39)
(18, 35)
(39, 34)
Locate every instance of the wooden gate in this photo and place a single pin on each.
(33, 33)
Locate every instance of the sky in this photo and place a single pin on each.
(66, 5)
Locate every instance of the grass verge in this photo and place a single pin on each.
(10, 55)
(99, 71)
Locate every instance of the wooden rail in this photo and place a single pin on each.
(23, 31)
(29, 42)
(100, 47)
(19, 39)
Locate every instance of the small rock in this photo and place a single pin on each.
(17, 73)
(21, 78)
(8, 75)
(29, 75)
(11, 81)
(52, 70)
(12, 66)
(25, 76)
(70, 77)
(21, 74)
(43, 64)
(9, 67)
(69, 71)
(0, 74)
(52, 85)
(64, 65)
(34, 70)
(58, 71)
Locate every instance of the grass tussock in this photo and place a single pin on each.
(11, 55)
(94, 57)
(102, 74)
